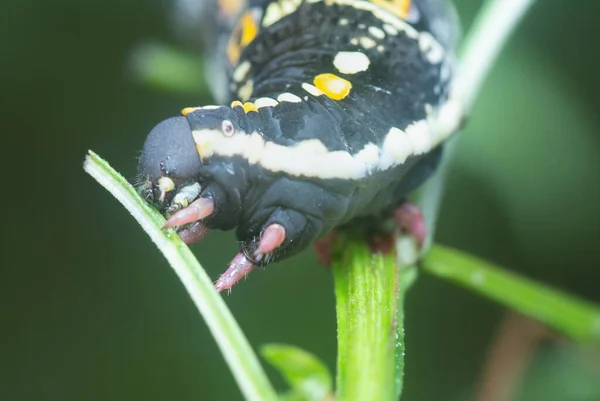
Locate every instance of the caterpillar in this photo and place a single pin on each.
(333, 110)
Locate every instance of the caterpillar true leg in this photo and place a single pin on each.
(193, 233)
(197, 210)
(271, 239)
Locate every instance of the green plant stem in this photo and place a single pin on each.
(578, 319)
(238, 353)
(369, 290)
(493, 26)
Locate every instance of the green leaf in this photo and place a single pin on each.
(305, 373)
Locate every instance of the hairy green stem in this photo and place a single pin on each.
(236, 350)
(578, 319)
(369, 290)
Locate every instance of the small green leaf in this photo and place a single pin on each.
(306, 374)
(168, 68)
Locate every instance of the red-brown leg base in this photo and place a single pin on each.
(409, 218)
(324, 247)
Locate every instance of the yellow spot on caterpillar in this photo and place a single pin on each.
(236, 103)
(399, 8)
(249, 106)
(404, 8)
(244, 32)
(249, 29)
(333, 86)
(188, 110)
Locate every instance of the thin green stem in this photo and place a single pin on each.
(234, 346)
(369, 290)
(578, 319)
(493, 25)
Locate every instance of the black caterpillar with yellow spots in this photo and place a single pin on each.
(337, 109)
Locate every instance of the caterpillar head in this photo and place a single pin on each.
(177, 153)
(196, 187)
(169, 161)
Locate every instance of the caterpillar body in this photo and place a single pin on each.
(334, 110)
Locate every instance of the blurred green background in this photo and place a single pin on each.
(89, 310)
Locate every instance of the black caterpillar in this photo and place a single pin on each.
(337, 110)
